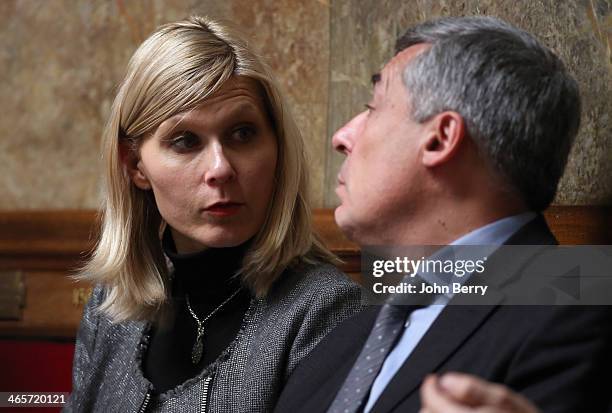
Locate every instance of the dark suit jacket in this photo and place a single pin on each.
(560, 357)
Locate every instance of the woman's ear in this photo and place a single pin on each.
(133, 165)
(446, 132)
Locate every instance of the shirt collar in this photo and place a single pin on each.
(486, 239)
(495, 233)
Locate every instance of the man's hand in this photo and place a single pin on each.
(462, 393)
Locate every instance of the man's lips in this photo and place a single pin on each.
(341, 187)
(224, 208)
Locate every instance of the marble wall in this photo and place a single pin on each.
(61, 60)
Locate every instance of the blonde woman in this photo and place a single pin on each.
(210, 285)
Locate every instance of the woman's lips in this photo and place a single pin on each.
(224, 209)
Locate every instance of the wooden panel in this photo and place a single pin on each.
(53, 307)
(12, 295)
(45, 240)
(47, 246)
(581, 225)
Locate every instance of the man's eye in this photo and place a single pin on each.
(185, 142)
(369, 107)
(243, 134)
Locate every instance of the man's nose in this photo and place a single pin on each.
(220, 169)
(344, 138)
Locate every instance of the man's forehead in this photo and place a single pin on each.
(411, 52)
(397, 64)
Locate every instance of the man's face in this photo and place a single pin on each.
(379, 183)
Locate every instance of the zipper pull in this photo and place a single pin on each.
(145, 403)
(205, 390)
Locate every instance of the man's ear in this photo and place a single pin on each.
(446, 132)
(133, 165)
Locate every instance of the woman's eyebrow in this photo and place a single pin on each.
(172, 123)
(191, 117)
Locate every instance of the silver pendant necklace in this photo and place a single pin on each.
(198, 345)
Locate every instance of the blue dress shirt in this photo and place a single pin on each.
(491, 236)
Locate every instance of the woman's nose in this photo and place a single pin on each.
(220, 170)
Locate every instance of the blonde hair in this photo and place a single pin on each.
(174, 70)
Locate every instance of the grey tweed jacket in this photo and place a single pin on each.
(276, 333)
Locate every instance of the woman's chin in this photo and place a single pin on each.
(224, 239)
(209, 238)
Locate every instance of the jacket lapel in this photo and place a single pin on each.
(454, 325)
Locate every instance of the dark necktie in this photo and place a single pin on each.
(387, 328)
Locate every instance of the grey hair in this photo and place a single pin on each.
(520, 105)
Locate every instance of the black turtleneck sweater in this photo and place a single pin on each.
(207, 277)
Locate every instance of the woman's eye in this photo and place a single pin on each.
(369, 107)
(185, 142)
(243, 134)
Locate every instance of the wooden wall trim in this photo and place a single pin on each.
(48, 245)
(581, 225)
(45, 240)
(58, 240)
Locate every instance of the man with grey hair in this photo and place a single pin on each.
(463, 143)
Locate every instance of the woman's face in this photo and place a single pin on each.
(212, 169)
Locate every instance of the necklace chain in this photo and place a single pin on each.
(198, 346)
